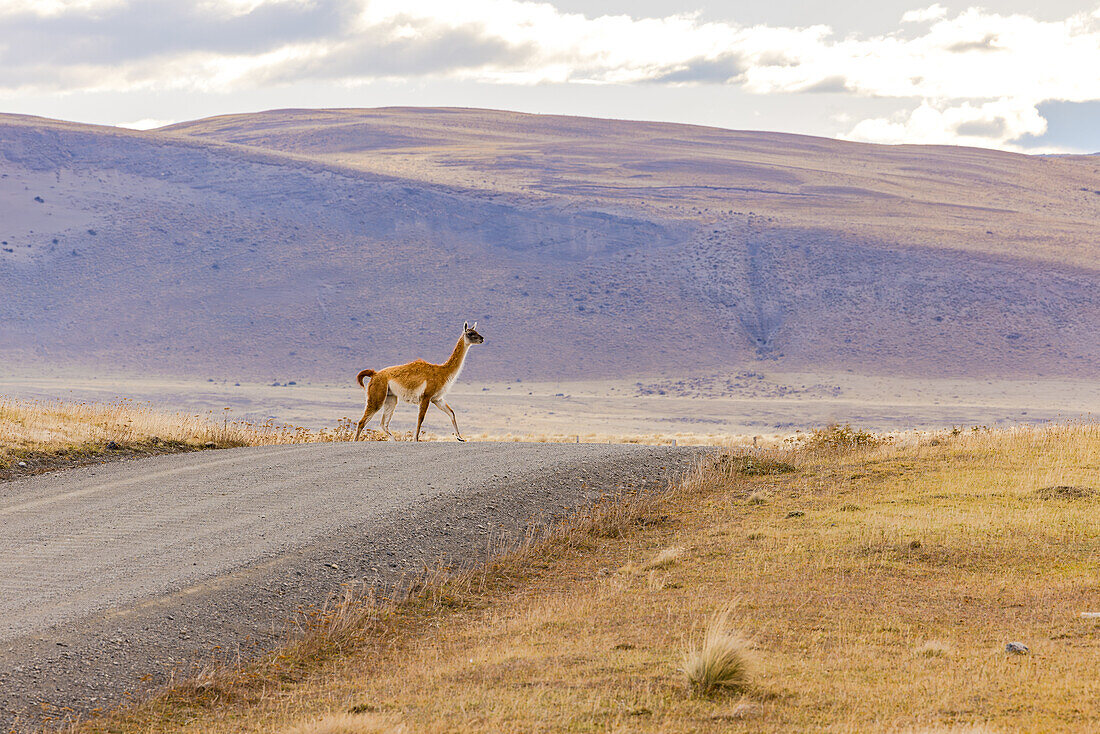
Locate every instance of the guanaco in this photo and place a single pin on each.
(417, 382)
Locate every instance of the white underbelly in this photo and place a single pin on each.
(408, 394)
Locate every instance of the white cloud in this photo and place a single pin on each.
(980, 74)
(923, 15)
(145, 124)
(984, 125)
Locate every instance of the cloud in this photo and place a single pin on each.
(720, 70)
(991, 128)
(986, 44)
(829, 85)
(923, 15)
(987, 124)
(146, 124)
(62, 46)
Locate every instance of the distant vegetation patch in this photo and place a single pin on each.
(836, 437)
(752, 466)
(1066, 492)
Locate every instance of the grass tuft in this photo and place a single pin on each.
(722, 664)
(349, 723)
(664, 559)
(933, 649)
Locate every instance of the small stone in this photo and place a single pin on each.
(1016, 648)
(210, 445)
(23, 464)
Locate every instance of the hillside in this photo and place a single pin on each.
(311, 243)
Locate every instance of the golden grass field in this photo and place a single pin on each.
(875, 585)
(39, 435)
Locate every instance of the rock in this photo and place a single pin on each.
(210, 445)
(1016, 648)
(23, 464)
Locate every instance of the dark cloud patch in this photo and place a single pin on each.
(721, 70)
(994, 128)
(148, 29)
(989, 43)
(776, 58)
(380, 52)
(828, 85)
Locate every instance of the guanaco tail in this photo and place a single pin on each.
(419, 382)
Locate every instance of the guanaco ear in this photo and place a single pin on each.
(475, 326)
(465, 325)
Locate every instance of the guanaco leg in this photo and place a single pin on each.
(442, 405)
(368, 413)
(420, 416)
(376, 397)
(387, 413)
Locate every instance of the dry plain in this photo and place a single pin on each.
(725, 410)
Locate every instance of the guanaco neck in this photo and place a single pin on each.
(454, 363)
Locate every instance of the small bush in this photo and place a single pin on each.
(723, 664)
(752, 466)
(836, 437)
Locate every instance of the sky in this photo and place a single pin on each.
(1009, 74)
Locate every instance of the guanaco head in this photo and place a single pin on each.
(470, 333)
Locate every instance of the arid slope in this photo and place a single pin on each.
(311, 243)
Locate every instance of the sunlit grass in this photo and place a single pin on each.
(41, 431)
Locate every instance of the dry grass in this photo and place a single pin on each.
(349, 723)
(722, 663)
(48, 434)
(664, 559)
(884, 607)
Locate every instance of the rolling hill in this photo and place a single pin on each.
(311, 243)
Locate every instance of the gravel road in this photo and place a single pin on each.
(115, 577)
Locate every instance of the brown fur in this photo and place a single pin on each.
(421, 382)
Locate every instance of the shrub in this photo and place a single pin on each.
(752, 466)
(722, 664)
(836, 437)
